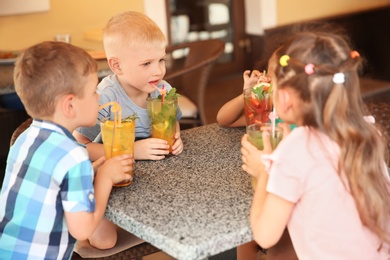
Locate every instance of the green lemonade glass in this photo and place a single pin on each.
(163, 119)
(255, 132)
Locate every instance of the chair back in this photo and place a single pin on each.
(190, 74)
(20, 129)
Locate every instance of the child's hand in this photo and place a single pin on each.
(116, 168)
(251, 156)
(177, 147)
(151, 149)
(99, 162)
(250, 79)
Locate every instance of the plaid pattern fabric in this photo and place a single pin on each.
(47, 173)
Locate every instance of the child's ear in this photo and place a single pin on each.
(285, 100)
(114, 65)
(67, 105)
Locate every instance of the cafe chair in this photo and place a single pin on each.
(188, 70)
(20, 129)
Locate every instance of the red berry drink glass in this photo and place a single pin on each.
(257, 105)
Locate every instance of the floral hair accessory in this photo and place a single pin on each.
(309, 69)
(339, 78)
(283, 60)
(354, 54)
(369, 119)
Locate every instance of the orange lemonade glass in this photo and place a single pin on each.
(118, 137)
(255, 137)
(162, 115)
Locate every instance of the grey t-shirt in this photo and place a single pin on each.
(110, 90)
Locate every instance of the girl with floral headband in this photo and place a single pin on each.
(327, 180)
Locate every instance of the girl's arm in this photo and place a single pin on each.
(231, 114)
(269, 213)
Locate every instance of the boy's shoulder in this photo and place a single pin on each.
(57, 133)
(107, 82)
(110, 89)
(59, 142)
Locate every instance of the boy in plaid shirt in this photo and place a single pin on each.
(50, 195)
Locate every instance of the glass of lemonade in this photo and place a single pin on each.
(255, 132)
(163, 119)
(118, 139)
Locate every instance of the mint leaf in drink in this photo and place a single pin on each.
(130, 118)
(263, 85)
(172, 94)
(258, 91)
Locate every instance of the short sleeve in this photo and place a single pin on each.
(77, 189)
(302, 162)
(281, 181)
(289, 165)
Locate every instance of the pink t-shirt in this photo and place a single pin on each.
(324, 223)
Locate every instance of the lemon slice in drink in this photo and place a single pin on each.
(161, 126)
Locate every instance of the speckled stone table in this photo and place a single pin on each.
(191, 206)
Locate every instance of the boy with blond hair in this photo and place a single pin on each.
(135, 50)
(50, 196)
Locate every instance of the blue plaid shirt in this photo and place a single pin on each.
(47, 173)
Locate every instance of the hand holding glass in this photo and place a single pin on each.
(118, 135)
(117, 140)
(255, 137)
(162, 115)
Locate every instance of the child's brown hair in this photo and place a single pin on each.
(49, 70)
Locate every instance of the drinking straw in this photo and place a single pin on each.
(273, 121)
(163, 91)
(116, 109)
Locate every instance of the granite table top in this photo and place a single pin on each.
(193, 205)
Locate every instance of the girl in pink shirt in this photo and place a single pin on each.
(327, 180)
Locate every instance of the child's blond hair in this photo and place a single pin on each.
(130, 30)
(49, 70)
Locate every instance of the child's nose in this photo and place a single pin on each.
(160, 70)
